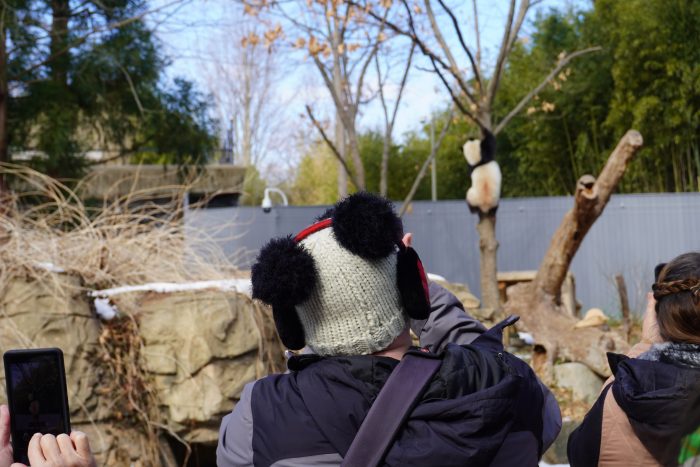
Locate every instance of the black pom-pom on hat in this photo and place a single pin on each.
(284, 274)
(367, 225)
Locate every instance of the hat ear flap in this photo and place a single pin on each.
(412, 283)
(289, 327)
(284, 275)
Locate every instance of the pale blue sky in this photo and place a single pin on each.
(198, 24)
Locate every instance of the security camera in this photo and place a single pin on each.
(266, 204)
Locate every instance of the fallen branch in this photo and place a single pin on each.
(538, 303)
(589, 201)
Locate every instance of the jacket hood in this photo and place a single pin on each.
(466, 412)
(660, 400)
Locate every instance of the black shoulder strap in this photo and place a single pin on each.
(391, 408)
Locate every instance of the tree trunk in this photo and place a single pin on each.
(340, 145)
(60, 46)
(358, 166)
(589, 201)
(538, 303)
(384, 171)
(488, 246)
(4, 97)
(340, 135)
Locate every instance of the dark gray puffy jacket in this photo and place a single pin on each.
(483, 407)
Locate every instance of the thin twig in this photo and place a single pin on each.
(523, 102)
(332, 146)
(424, 167)
(458, 30)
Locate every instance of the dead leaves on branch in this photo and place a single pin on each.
(556, 82)
(308, 38)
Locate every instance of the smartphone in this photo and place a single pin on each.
(36, 394)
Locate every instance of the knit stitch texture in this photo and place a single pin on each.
(355, 308)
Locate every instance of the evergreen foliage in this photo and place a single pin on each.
(647, 77)
(95, 80)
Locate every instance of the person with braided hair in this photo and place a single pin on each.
(648, 412)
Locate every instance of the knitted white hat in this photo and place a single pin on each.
(355, 309)
(346, 285)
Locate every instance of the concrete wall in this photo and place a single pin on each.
(113, 181)
(634, 234)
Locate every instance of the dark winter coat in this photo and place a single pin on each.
(483, 407)
(640, 417)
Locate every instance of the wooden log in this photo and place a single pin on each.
(589, 201)
(538, 304)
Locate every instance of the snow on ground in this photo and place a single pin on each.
(104, 309)
(527, 338)
(107, 311)
(49, 267)
(228, 285)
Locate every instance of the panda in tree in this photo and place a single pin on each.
(484, 194)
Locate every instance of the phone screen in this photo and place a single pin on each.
(36, 396)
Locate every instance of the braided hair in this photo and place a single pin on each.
(663, 289)
(677, 294)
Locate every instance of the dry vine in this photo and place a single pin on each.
(126, 241)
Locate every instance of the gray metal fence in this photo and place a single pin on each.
(634, 234)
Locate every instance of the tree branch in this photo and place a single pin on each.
(458, 30)
(402, 85)
(523, 102)
(589, 202)
(363, 70)
(454, 68)
(478, 37)
(424, 167)
(332, 147)
(502, 54)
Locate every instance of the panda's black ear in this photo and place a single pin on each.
(412, 283)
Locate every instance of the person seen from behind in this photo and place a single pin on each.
(349, 289)
(648, 413)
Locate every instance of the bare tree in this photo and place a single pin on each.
(342, 45)
(472, 86)
(243, 76)
(390, 113)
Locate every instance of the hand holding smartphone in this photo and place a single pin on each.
(36, 395)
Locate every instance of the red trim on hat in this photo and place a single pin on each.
(312, 229)
(423, 280)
